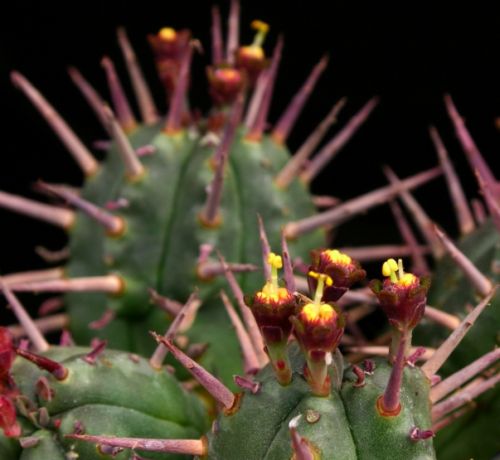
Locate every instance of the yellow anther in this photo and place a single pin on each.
(167, 33)
(259, 25)
(323, 279)
(407, 279)
(338, 257)
(315, 312)
(321, 276)
(389, 267)
(270, 294)
(274, 260)
(262, 28)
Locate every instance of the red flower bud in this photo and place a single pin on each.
(272, 308)
(402, 297)
(225, 84)
(252, 58)
(342, 270)
(169, 47)
(318, 327)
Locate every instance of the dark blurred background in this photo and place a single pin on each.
(409, 58)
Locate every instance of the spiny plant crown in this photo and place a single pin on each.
(304, 405)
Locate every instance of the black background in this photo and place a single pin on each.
(409, 58)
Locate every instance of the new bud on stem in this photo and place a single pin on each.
(169, 46)
(252, 58)
(402, 297)
(318, 327)
(272, 308)
(225, 84)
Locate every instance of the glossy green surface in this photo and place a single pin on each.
(348, 427)
(161, 244)
(119, 395)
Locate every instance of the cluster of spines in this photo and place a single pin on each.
(120, 121)
(52, 280)
(402, 296)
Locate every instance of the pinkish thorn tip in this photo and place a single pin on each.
(265, 247)
(287, 120)
(462, 211)
(23, 317)
(250, 359)
(55, 368)
(121, 105)
(480, 282)
(440, 356)
(149, 112)
(216, 388)
(195, 447)
(357, 205)
(75, 146)
(287, 265)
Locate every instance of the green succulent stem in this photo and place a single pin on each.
(278, 355)
(316, 373)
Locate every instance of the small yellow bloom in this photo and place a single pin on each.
(168, 34)
(314, 312)
(337, 257)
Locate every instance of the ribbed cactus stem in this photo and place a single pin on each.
(280, 361)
